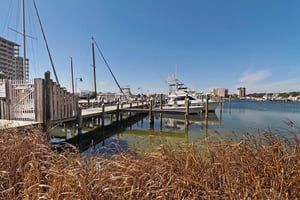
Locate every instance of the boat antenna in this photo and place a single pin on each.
(49, 54)
(109, 68)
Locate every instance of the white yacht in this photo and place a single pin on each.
(179, 93)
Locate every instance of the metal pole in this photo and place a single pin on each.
(24, 40)
(94, 66)
(72, 76)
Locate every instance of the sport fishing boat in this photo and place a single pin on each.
(179, 94)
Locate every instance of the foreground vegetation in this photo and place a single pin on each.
(261, 167)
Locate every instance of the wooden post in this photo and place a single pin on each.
(117, 113)
(151, 117)
(118, 106)
(79, 121)
(160, 121)
(8, 90)
(161, 101)
(102, 118)
(221, 108)
(229, 105)
(47, 121)
(54, 92)
(206, 107)
(88, 100)
(39, 99)
(187, 109)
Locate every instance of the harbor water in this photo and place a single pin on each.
(237, 117)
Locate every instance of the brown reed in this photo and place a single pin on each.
(257, 167)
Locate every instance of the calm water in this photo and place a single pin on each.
(238, 117)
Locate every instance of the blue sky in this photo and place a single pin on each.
(207, 44)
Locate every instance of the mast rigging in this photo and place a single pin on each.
(94, 67)
(49, 54)
(107, 65)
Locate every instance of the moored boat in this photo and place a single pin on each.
(179, 94)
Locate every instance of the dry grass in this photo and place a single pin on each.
(262, 167)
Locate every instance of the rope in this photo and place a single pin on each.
(52, 64)
(107, 65)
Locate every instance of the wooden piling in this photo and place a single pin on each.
(221, 108)
(79, 120)
(206, 107)
(39, 99)
(117, 112)
(47, 119)
(151, 117)
(187, 108)
(160, 121)
(111, 118)
(102, 118)
(161, 101)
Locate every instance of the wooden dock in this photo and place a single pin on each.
(7, 124)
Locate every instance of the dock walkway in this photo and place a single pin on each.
(89, 112)
(6, 124)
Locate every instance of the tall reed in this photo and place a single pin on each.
(257, 167)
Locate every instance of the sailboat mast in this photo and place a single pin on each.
(24, 40)
(94, 66)
(72, 75)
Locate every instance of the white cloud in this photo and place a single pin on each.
(279, 86)
(255, 81)
(250, 77)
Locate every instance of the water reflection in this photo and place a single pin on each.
(129, 131)
(166, 129)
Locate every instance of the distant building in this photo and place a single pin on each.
(220, 92)
(241, 92)
(11, 64)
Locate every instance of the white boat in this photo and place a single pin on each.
(179, 93)
(177, 102)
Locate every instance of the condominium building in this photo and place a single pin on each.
(220, 92)
(11, 64)
(241, 92)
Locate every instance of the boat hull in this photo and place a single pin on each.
(192, 109)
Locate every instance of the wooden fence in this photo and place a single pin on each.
(40, 101)
(53, 102)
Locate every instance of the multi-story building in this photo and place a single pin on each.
(241, 92)
(11, 64)
(220, 92)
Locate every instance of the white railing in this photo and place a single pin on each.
(22, 100)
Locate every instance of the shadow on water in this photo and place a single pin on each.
(135, 131)
(98, 136)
